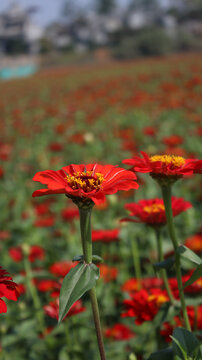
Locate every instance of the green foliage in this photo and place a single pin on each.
(145, 42)
(79, 280)
(185, 345)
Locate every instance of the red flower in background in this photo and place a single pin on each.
(195, 288)
(119, 332)
(108, 273)
(194, 243)
(16, 253)
(173, 140)
(8, 289)
(69, 214)
(166, 165)
(105, 236)
(52, 309)
(152, 211)
(61, 268)
(48, 285)
(35, 252)
(91, 181)
(149, 131)
(132, 285)
(1, 172)
(144, 305)
(45, 221)
(195, 319)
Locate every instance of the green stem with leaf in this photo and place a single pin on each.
(166, 192)
(85, 225)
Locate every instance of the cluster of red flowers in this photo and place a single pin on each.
(35, 252)
(119, 332)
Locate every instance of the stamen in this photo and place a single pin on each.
(176, 161)
(154, 208)
(86, 180)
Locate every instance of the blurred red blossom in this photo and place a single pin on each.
(52, 309)
(105, 236)
(119, 332)
(194, 243)
(61, 268)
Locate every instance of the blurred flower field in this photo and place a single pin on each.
(87, 115)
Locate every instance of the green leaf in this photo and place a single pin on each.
(166, 264)
(78, 258)
(97, 259)
(195, 276)
(188, 254)
(165, 354)
(79, 280)
(185, 343)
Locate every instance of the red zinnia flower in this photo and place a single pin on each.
(8, 289)
(52, 309)
(165, 165)
(152, 211)
(144, 305)
(105, 236)
(92, 181)
(119, 332)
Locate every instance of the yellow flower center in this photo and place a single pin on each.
(85, 181)
(159, 298)
(154, 208)
(176, 161)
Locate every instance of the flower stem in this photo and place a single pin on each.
(136, 262)
(163, 271)
(34, 294)
(166, 192)
(85, 224)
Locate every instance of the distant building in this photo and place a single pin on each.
(18, 34)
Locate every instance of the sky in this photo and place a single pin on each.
(48, 10)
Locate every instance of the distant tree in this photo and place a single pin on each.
(70, 10)
(105, 6)
(144, 5)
